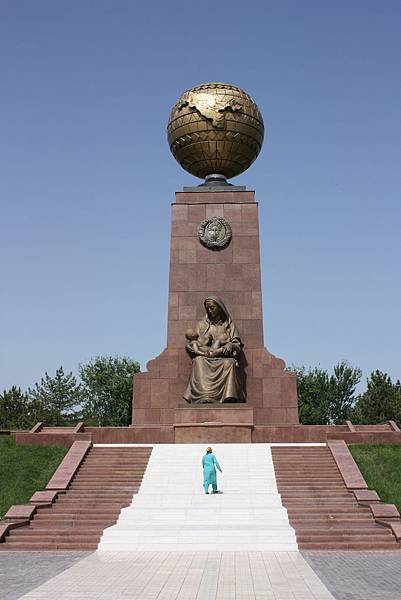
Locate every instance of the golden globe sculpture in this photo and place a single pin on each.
(215, 131)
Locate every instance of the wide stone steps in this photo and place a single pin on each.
(105, 483)
(171, 511)
(324, 514)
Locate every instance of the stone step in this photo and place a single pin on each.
(339, 517)
(345, 537)
(313, 492)
(326, 524)
(92, 471)
(122, 464)
(342, 529)
(331, 499)
(317, 473)
(361, 545)
(70, 515)
(331, 509)
(310, 476)
(52, 536)
(92, 498)
(99, 493)
(286, 473)
(57, 429)
(104, 510)
(78, 494)
(331, 503)
(66, 525)
(304, 463)
(81, 486)
(105, 482)
(80, 505)
(11, 545)
(300, 485)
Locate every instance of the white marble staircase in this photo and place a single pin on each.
(171, 511)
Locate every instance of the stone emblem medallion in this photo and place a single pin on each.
(214, 232)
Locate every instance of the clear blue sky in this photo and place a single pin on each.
(86, 176)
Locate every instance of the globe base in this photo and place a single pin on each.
(215, 180)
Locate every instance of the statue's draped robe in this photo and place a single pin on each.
(214, 380)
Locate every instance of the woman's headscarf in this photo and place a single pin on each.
(230, 327)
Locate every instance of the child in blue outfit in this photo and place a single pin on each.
(209, 464)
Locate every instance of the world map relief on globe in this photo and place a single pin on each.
(210, 107)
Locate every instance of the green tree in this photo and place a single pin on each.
(108, 385)
(313, 395)
(14, 409)
(324, 399)
(381, 402)
(343, 384)
(57, 398)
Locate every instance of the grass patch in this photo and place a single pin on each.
(380, 466)
(25, 470)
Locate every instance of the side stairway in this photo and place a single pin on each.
(103, 485)
(324, 514)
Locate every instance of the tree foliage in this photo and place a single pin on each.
(381, 402)
(313, 397)
(104, 396)
(325, 399)
(58, 398)
(15, 409)
(343, 384)
(108, 389)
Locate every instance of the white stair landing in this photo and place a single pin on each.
(171, 511)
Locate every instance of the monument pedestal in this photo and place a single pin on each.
(233, 274)
(213, 433)
(216, 414)
(223, 423)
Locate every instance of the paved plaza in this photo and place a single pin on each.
(200, 576)
(359, 575)
(21, 572)
(185, 576)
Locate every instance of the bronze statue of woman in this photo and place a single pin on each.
(214, 346)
